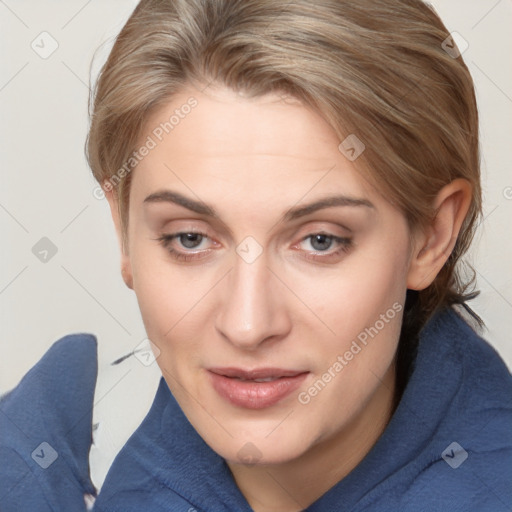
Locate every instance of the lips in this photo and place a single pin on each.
(255, 389)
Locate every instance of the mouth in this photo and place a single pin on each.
(255, 389)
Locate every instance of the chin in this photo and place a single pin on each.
(271, 450)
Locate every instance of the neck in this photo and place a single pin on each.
(294, 485)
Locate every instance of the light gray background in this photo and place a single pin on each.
(46, 190)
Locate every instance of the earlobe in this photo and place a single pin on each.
(435, 244)
(126, 269)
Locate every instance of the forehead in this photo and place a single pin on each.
(270, 147)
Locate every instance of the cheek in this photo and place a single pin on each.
(366, 285)
(362, 305)
(175, 304)
(369, 325)
(163, 295)
(365, 313)
(168, 313)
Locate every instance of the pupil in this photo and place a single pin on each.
(190, 240)
(321, 242)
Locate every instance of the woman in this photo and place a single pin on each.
(293, 186)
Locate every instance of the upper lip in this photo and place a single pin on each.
(256, 373)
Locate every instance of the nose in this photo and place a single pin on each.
(252, 310)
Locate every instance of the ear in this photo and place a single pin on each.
(126, 267)
(435, 243)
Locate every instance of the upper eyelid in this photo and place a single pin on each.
(292, 224)
(307, 229)
(331, 226)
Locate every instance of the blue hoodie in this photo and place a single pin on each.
(448, 446)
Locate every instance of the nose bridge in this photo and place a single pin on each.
(250, 310)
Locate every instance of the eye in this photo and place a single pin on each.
(180, 245)
(325, 246)
(321, 242)
(190, 240)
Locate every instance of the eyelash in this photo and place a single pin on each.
(345, 244)
(166, 239)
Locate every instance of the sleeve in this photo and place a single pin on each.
(46, 431)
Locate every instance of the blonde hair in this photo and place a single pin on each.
(373, 68)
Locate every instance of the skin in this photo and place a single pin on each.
(297, 306)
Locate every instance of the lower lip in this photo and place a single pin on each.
(255, 395)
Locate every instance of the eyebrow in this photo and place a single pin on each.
(169, 196)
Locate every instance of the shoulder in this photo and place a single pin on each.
(468, 461)
(454, 353)
(46, 430)
(485, 382)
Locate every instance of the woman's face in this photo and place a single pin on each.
(269, 274)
